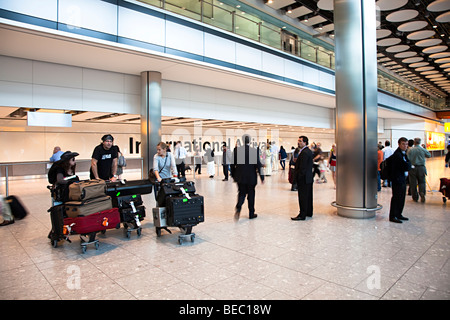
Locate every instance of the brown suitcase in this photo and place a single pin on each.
(84, 208)
(85, 190)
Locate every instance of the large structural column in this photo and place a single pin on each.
(150, 117)
(356, 108)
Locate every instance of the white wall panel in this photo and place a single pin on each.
(293, 70)
(142, 27)
(272, 64)
(171, 107)
(57, 75)
(248, 57)
(132, 103)
(103, 80)
(174, 90)
(16, 94)
(90, 14)
(15, 69)
(326, 80)
(103, 101)
(184, 38)
(211, 103)
(132, 84)
(204, 94)
(45, 9)
(220, 48)
(311, 75)
(61, 98)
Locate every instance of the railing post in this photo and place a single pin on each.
(6, 181)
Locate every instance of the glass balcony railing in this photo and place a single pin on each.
(231, 18)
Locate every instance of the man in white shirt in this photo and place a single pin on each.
(274, 155)
(180, 156)
(387, 152)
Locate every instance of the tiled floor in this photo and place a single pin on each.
(271, 257)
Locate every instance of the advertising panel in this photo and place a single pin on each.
(435, 141)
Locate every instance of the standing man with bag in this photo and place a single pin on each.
(303, 174)
(104, 160)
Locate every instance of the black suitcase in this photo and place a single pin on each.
(117, 189)
(57, 218)
(129, 214)
(125, 201)
(17, 209)
(173, 189)
(183, 211)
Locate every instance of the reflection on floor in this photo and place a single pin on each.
(270, 257)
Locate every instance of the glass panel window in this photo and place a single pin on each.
(219, 16)
(246, 27)
(270, 36)
(307, 51)
(323, 58)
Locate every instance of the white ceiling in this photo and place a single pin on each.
(419, 26)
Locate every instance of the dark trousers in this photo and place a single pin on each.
(246, 190)
(316, 170)
(398, 199)
(305, 199)
(226, 167)
(198, 167)
(181, 168)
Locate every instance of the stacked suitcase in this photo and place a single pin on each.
(178, 206)
(127, 197)
(132, 212)
(88, 211)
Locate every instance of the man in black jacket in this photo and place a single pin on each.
(244, 170)
(399, 167)
(303, 174)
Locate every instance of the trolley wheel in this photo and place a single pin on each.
(180, 241)
(96, 246)
(192, 238)
(444, 199)
(139, 232)
(54, 243)
(83, 249)
(128, 234)
(158, 232)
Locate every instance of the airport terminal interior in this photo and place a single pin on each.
(205, 72)
(271, 257)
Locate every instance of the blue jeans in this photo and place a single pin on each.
(379, 181)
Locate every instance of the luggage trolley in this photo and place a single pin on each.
(178, 206)
(85, 226)
(126, 196)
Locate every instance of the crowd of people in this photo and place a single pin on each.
(406, 166)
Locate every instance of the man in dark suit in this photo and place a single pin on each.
(399, 165)
(303, 174)
(244, 170)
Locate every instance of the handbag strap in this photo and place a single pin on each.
(165, 161)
